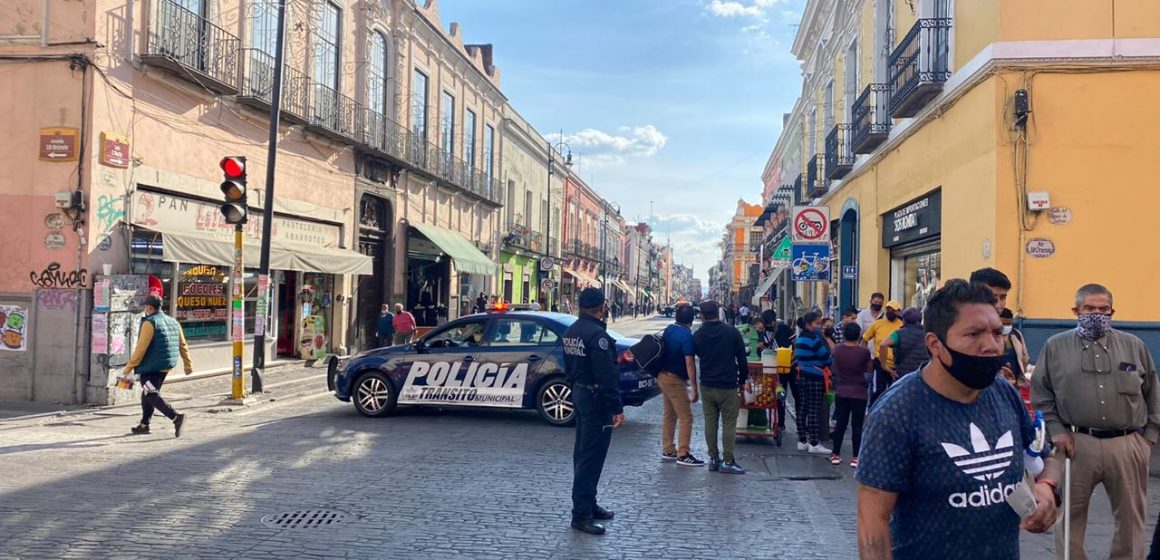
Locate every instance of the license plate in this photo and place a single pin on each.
(645, 383)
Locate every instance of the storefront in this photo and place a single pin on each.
(186, 243)
(520, 280)
(912, 234)
(445, 273)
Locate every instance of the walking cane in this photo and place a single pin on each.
(1067, 499)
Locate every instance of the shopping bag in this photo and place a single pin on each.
(743, 419)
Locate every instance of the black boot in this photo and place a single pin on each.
(588, 526)
(602, 514)
(140, 429)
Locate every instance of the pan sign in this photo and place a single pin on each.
(811, 224)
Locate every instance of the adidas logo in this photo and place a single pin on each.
(983, 462)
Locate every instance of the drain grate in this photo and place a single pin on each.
(306, 519)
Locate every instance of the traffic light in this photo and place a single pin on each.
(234, 189)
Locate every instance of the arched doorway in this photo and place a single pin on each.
(848, 247)
(374, 223)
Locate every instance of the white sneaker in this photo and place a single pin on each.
(819, 450)
(802, 446)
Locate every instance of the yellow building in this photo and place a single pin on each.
(946, 136)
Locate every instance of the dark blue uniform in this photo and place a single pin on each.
(590, 365)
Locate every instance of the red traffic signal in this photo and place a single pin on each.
(234, 167)
(234, 189)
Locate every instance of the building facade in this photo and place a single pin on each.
(525, 227)
(943, 136)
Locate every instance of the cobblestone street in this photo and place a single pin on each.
(422, 484)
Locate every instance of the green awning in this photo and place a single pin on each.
(467, 258)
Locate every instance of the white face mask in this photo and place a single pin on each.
(1007, 329)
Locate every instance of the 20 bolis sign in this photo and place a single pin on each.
(465, 384)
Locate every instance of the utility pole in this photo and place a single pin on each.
(262, 311)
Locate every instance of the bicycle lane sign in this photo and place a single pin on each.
(810, 263)
(810, 224)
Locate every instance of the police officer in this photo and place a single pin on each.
(590, 364)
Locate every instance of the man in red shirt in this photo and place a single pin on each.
(404, 325)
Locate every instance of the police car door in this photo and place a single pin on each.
(445, 369)
(523, 348)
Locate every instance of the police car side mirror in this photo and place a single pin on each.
(420, 345)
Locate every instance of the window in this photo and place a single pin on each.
(528, 209)
(419, 105)
(812, 147)
(377, 74)
(851, 81)
(469, 139)
(447, 126)
(326, 46)
(463, 334)
(488, 153)
(829, 107)
(264, 22)
(515, 332)
(510, 203)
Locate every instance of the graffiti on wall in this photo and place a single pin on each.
(57, 299)
(53, 276)
(110, 210)
(13, 328)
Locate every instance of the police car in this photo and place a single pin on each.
(498, 359)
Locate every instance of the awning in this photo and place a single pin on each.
(467, 258)
(623, 287)
(763, 287)
(192, 247)
(591, 281)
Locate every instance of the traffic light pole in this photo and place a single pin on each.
(261, 317)
(237, 316)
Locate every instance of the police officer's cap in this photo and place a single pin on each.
(591, 298)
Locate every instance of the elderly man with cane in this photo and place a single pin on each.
(1099, 395)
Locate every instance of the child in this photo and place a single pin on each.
(851, 363)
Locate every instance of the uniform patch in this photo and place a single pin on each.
(603, 343)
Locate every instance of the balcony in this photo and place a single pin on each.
(871, 118)
(816, 182)
(257, 86)
(839, 156)
(919, 66)
(333, 114)
(186, 43)
(383, 136)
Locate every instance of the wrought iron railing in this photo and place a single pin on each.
(257, 75)
(334, 111)
(816, 182)
(185, 38)
(919, 65)
(384, 135)
(871, 118)
(839, 156)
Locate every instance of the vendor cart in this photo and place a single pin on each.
(759, 418)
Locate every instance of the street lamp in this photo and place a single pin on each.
(552, 149)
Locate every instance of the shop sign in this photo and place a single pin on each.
(58, 144)
(151, 209)
(849, 273)
(811, 224)
(1060, 215)
(810, 263)
(916, 220)
(1040, 248)
(114, 150)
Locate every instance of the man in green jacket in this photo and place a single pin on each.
(159, 343)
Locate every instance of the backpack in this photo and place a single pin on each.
(649, 353)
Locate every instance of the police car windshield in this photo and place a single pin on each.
(567, 320)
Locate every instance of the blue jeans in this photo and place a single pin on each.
(593, 436)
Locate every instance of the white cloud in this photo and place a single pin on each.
(696, 242)
(741, 8)
(599, 147)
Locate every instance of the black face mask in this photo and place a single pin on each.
(876, 307)
(891, 316)
(976, 372)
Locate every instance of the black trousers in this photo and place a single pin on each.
(593, 436)
(151, 399)
(845, 411)
(795, 390)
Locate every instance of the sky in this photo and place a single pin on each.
(673, 103)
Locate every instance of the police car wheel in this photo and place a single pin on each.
(374, 395)
(554, 402)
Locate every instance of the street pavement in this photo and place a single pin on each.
(423, 484)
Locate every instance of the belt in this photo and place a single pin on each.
(1103, 434)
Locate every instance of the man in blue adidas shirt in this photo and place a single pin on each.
(943, 449)
(677, 373)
